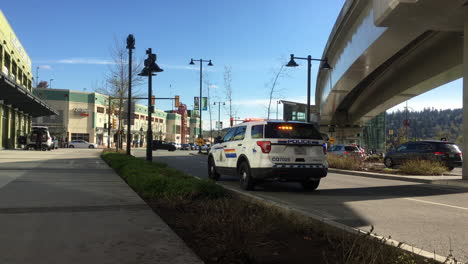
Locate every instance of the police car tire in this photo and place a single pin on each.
(212, 174)
(310, 185)
(246, 182)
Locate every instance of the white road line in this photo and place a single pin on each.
(441, 204)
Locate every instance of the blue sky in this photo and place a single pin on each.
(71, 42)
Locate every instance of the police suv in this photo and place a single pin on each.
(259, 151)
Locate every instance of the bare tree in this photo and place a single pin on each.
(273, 90)
(117, 78)
(232, 111)
(208, 84)
(43, 84)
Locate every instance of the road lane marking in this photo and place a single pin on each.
(441, 204)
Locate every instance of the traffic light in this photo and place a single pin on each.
(153, 100)
(114, 123)
(176, 101)
(232, 121)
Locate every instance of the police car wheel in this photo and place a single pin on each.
(246, 181)
(310, 185)
(212, 174)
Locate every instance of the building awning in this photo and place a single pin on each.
(20, 98)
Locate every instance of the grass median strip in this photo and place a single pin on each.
(223, 228)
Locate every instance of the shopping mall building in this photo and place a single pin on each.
(84, 115)
(18, 105)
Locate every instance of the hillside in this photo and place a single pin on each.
(427, 124)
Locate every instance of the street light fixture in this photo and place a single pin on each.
(325, 66)
(150, 68)
(277, 104)
(130, 47)
(200, 99)
(219, 115)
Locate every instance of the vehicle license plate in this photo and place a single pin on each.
(451, 155)
(299, 151)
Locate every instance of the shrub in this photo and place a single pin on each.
(345, 162)
(374, 158)
(422, 167)
(152, 179)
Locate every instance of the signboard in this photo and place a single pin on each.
(196, 103)
(81, 111)
(200, 141)
(204, 103)
(219, 124)
(331, 140)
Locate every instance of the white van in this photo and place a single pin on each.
(45, 138)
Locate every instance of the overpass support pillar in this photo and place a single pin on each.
(347, 135)
(465, 97)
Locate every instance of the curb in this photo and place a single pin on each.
(449, 183)
(387, 241)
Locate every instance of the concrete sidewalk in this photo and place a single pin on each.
(453, 181)
(68, 206)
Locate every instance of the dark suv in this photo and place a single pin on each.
(159, 144)
(446, 152)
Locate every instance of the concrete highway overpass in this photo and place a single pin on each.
(384, 52)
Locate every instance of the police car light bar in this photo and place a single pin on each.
(253, 119)
(285, 128)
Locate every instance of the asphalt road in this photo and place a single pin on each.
(423, 215)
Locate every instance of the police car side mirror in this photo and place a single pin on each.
(218, 140)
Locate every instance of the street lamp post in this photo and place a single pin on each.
(219, 115)
(309, 59)
(277, 104)
(150, 68)
(130, 47)
(50, 83)
(37, 76)
(200, 99)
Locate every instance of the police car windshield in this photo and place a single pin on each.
(292, 131)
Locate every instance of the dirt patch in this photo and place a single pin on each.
(233, 230)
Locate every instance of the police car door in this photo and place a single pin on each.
(218, 150)
(235, 147)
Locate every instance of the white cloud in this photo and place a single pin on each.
(78, 61)
(45, 67)
(184, 67)
(178, 67)
(85, 61)
(213, 86)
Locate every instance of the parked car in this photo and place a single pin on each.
(55, 143)
(39, 133)
(446, 152)
(185, 147)
(81, 144)
(193, 146)
(346, 150)
(159, 144)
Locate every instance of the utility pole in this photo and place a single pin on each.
(109, 124)
(150, 68)
(219, 115)
(130, 47)
(200, 101)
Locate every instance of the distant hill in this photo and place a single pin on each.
(428, 124)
